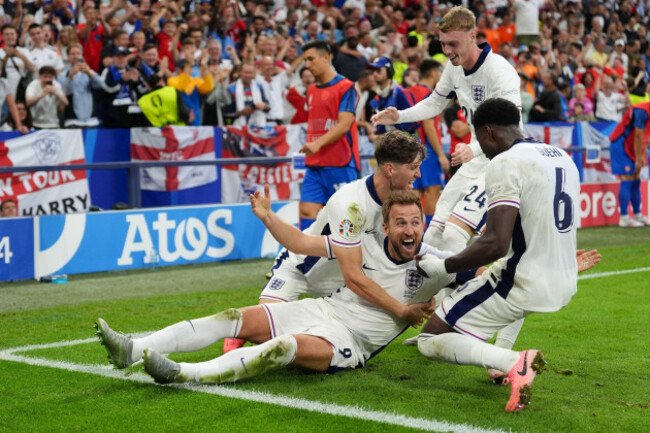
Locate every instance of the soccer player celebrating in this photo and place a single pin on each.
(328, 334)
(533, 194)
(332, 147)
(353, 210)
(473, 74)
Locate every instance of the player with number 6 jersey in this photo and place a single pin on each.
(533, 192)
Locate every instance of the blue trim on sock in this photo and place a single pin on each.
(624, 193)
(635, 195)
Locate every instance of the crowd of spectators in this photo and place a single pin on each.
(88, 63)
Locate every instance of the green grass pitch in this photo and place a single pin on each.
(597, 349)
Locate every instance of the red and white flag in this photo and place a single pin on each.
(561, 136)
(45, 192)
(174, 143)
(241, 180)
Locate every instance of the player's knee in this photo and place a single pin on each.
(432, 347)
(279, 351)
(230, 314)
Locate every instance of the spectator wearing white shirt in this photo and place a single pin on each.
(366, 46)
(274, 86)
(526, 20)
(45, 98)
(16, 61)
(43, 55)
(610, 104)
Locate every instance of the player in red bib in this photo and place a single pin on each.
(332, 148)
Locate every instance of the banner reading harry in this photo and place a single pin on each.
(45, 192)
(241, 180)
(164, 186)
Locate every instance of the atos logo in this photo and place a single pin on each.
(187, 239)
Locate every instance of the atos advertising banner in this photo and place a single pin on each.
(16, 248)
(599, 203)
(106, 241)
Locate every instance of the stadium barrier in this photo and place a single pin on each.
(120, 240)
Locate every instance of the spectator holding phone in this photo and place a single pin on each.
(45, 98)
(77, 81)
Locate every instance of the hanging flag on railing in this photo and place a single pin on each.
(45, 192)
(241, 180)
(163, 186)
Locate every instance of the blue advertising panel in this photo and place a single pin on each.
(16, 249)
(105, 241)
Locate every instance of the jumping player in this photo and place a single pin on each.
(473, 74)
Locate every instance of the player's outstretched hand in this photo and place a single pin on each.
(462, 154)
(261, 204)
(416, 313)
(587, 259)
(388, 116)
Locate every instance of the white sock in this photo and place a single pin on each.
(190, 335)
(242, 363)
(464, 350)
(454, 238)
(433, 235)
(507, 336)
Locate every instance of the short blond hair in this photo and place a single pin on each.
(458, 18)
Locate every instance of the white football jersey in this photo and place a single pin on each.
(46, 57)
(370, 324)
(353, 210)
(539, 273)
(491, 77)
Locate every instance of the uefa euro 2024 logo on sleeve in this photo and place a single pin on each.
(47, 148)
(346, 227)
(478, 93)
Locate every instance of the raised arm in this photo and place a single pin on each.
(286, 234)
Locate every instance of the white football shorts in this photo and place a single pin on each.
(313, 317)
(465, 198)
(476, 309)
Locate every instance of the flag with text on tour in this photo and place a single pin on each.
(45, 192)
(176, 185)
(241, 180)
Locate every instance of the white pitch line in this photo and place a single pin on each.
(231, 392)
(608, 274)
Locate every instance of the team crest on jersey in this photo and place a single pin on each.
(413, 283)
(276, 284)
(478, 93)
(346, 227)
